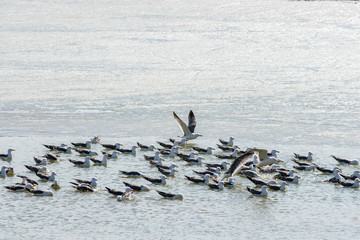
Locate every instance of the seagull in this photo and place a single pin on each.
(182, 142)
(354, 184)
(183, 156)
(28, 180)
(233, 155)
(214, 173)
(168, 146)
(129, 151)
(255, 192)
(126, 196)
(7, 156)
(172, 152)
(326, 170)
(277, 187)
(227, 143)
(54, 147)
(301, 163)
(294, 179)
(137, 187)
(99, 162)
(264, 158)
(197, 160)
(95, 140)
(280, 174)
(9, 171)
(83, 187)
(166, 172)
(111, 155)
(170, 195)
(87, 144)
(157, 163)
(249, 173)
(115, 146)
(51, 157)
(228, 149)
(19, 187)
(188, 131)
(155, 157)
(85, 163)
(259, 182)
(40, 161)
(56, 186)
(219, 185)
(161, 180)
(38, 192)
(306, 168)
(207, 150)
(46, 177)
(222, 165)
(353, 176)
(346, 161)
(269, 169)
(114, 192)
(132, 173)
(229, 183)
(204, 180)
(300, 157)
(36, 169)
(3, 171)
(145, 147)
(336, 178)
(64, 150)
(237, 164)
(86, 152)
(92, 182)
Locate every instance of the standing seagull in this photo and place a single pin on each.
(188, 130)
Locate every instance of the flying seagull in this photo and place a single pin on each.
(188, 130)
(237, 163)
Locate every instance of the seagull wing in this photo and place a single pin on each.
(262, 153)
(192, 122)
(182, 125)
(238, 162)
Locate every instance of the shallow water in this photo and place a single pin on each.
(274, 74)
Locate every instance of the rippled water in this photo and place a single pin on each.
(275, 74)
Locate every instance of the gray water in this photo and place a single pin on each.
(274, 74)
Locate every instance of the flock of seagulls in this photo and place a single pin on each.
(262, 168)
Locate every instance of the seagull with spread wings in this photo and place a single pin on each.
(188, 130)
(238, 163)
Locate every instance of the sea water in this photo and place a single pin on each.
(274, 74)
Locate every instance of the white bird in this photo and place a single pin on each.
(55, 185)
(346, 161)
(170, 195)
(265, 159)
(126, 196)
(129, 151)
(95, 140)
(207, 150)
(99, 162)
(172, 152)
(85, 163)
(7, 156)
(188, 130)
(255, 192)
(3, 171)
(227, 143)
(38, 192)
